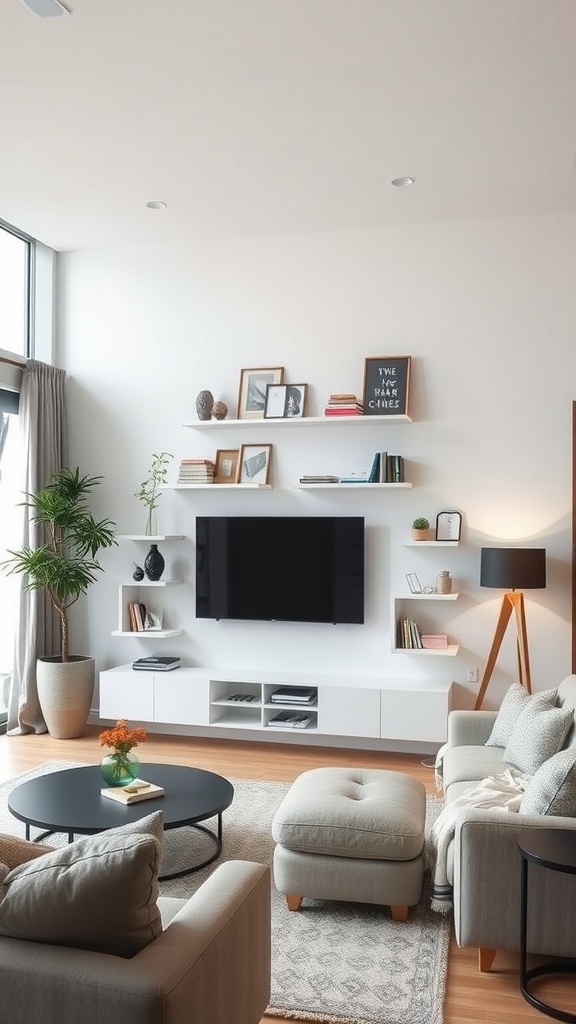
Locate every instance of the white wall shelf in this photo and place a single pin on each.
(296, 421)
(218, 487)
(148, 538)
(348, 487)
(131, 591)
(431, 544)
(147, 634)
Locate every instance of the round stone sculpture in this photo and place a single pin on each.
(204, 405)
(220, 411)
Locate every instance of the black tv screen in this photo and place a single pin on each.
(280, 568)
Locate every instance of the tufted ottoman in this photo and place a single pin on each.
(351, 834)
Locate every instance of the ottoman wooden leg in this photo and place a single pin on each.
(293, 902)
(399, 913)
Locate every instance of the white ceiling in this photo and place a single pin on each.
(261, 116)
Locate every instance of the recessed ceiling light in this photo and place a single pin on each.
(157, 204)
(404, 182)
(46, 8)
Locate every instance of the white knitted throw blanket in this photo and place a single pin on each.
(499, 792)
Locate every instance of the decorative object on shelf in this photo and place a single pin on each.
(414, 583)
(64, 567)
(149, 489)
(252, 392)
(421, 529)
(227, 466)
(220, 410)
(138, 573)
(204, 405)
(444, 582)
(386, 385)
(511, 569)
(121, 766)
(448, 526)
(154, 563)
(285, 401)
(255, 463)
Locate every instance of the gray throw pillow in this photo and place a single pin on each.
(553, 788)
(97, 893)
(538, 734)
(512, 706)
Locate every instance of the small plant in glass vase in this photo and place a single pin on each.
(150, 488)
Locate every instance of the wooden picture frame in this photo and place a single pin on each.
(227, 464)
(386, 389)
(285, 401)
(255, 463)
(252, 390)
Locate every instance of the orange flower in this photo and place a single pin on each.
(122, 739)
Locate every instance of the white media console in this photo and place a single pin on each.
(364, 707)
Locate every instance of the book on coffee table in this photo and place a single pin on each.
(135, 791)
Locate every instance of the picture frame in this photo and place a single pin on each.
(285, 401)
(227, 464)
(252, 390)
(386, 389)
(448, 525)
(254, 465)
(413, 583)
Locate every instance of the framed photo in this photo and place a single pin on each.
(285, 401)
(252, 393)
(386, 386)
(413, 583)
(227, 463)
(448, 526)
(255, 463)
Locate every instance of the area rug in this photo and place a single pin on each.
(334, 963)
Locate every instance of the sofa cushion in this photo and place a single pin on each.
(98, 893)
(15, 851)
(539, 732)
(471, 763)
(513, 703)
(552, 790)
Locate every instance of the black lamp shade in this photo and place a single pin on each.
(513, 568)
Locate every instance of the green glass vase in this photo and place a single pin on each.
(119, 769)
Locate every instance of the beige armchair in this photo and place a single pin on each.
(210, 965)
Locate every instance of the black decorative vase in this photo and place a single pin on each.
(154, 563)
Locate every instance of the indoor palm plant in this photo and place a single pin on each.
(64, 566)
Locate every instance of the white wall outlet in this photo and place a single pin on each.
(471, 675)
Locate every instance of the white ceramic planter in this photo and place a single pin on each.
(65, 694)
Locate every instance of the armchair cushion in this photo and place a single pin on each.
(552, 790)
(97, 893)
(15, 851)
(539, 732)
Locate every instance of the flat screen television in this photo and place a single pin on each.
(280, 568)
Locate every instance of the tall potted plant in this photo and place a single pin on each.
(64, 567)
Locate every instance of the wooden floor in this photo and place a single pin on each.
(471, 996)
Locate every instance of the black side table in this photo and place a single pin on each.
(554, 849)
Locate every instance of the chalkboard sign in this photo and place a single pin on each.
(386, 385)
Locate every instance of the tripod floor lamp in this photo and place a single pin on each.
(513, 570)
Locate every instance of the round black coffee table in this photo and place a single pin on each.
(70, 802)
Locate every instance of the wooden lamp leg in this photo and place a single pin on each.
(503, 620)
(511, 601)
(516, 598)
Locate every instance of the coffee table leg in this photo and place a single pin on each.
(216, 837)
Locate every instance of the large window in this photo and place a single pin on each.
(15, 306)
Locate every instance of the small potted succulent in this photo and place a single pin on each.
(421, 529)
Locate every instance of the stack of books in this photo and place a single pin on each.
(319, 479)
(295, 695)
(408, 635)
(290, 720)
(343, 405)
(391, 468)
(157, 664)
(143, 618)
(196, 471)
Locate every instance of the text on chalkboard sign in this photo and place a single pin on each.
(386, 385)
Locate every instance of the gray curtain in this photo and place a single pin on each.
(42, 420)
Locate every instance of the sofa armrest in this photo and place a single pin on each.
(487, 885)
(212, 963)
(470, 728)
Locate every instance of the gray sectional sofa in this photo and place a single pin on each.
(483, 860)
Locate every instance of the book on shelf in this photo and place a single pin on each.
(435, 641)
(294, 695)
(375, 469)
(408, 635)
(334, 410)
(319, 479)
(155, 663)
(290, 720)
(356, 478)
(137, 790)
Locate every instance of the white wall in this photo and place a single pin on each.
(487, 310)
